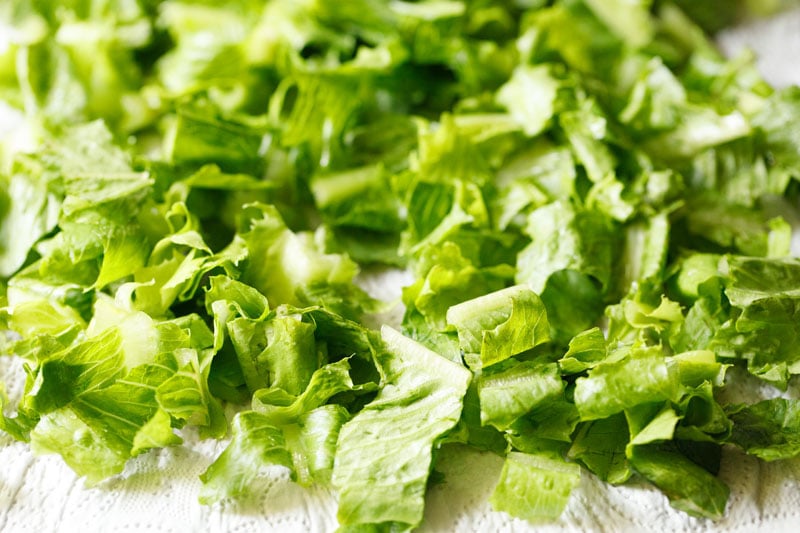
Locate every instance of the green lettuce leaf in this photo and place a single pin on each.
(640, 376)
(688, 486)
(393, 437)
(534, 487)
(500, 324)
(767, 429)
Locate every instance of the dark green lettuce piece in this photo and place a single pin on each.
(600, 445)
(569, 264)
(769, 429)
(689, 487)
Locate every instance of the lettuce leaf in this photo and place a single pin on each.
(393, 437)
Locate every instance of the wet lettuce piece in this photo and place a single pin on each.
(119, 388)
(509, 391)
(500, 324)
(689, 486)
(641, 375)
(291, 268)
(767, 429)
(762, 325)
(305, 444)
(569, 264)
(384, 454)
(294, 426)
(535, 487)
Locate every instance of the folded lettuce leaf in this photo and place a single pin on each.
(385, 452)
(500, 324)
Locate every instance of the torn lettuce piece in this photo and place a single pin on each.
(83, 182)
(703, 420)
(532, 178)
(600, 445)
(569, 263)
(586, 350)
(509, 391)
(298, 432)
(120, 389)
(689, 487)
(769, 429)
(327, 381)
(586, 128)
(37, 214)
(384, 453)
(696, 367)
(649, 423)
(500, 324)
(276, 351)
(186, 397)
(305, 446)
(565, 237)
(291, 268)
(640, 376)
(551, 422)
(98, 430)
(644, 253)
(255, 443)
(766, 333)
(535, 487)
(446, 278)
(752, 278)
(643, 316)
(695, 270)
(530, 96)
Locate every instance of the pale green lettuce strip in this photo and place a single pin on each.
(535, 487)
(385, 452)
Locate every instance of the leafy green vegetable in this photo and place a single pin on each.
(392, 438)
(535, 488)
(590, 208)
(767, 429)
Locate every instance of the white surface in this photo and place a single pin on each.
(158, 491)
(775, 41)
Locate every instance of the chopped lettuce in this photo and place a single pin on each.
(393, 438)
(592, 207)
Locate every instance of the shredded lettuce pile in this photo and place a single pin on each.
(595, 206)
